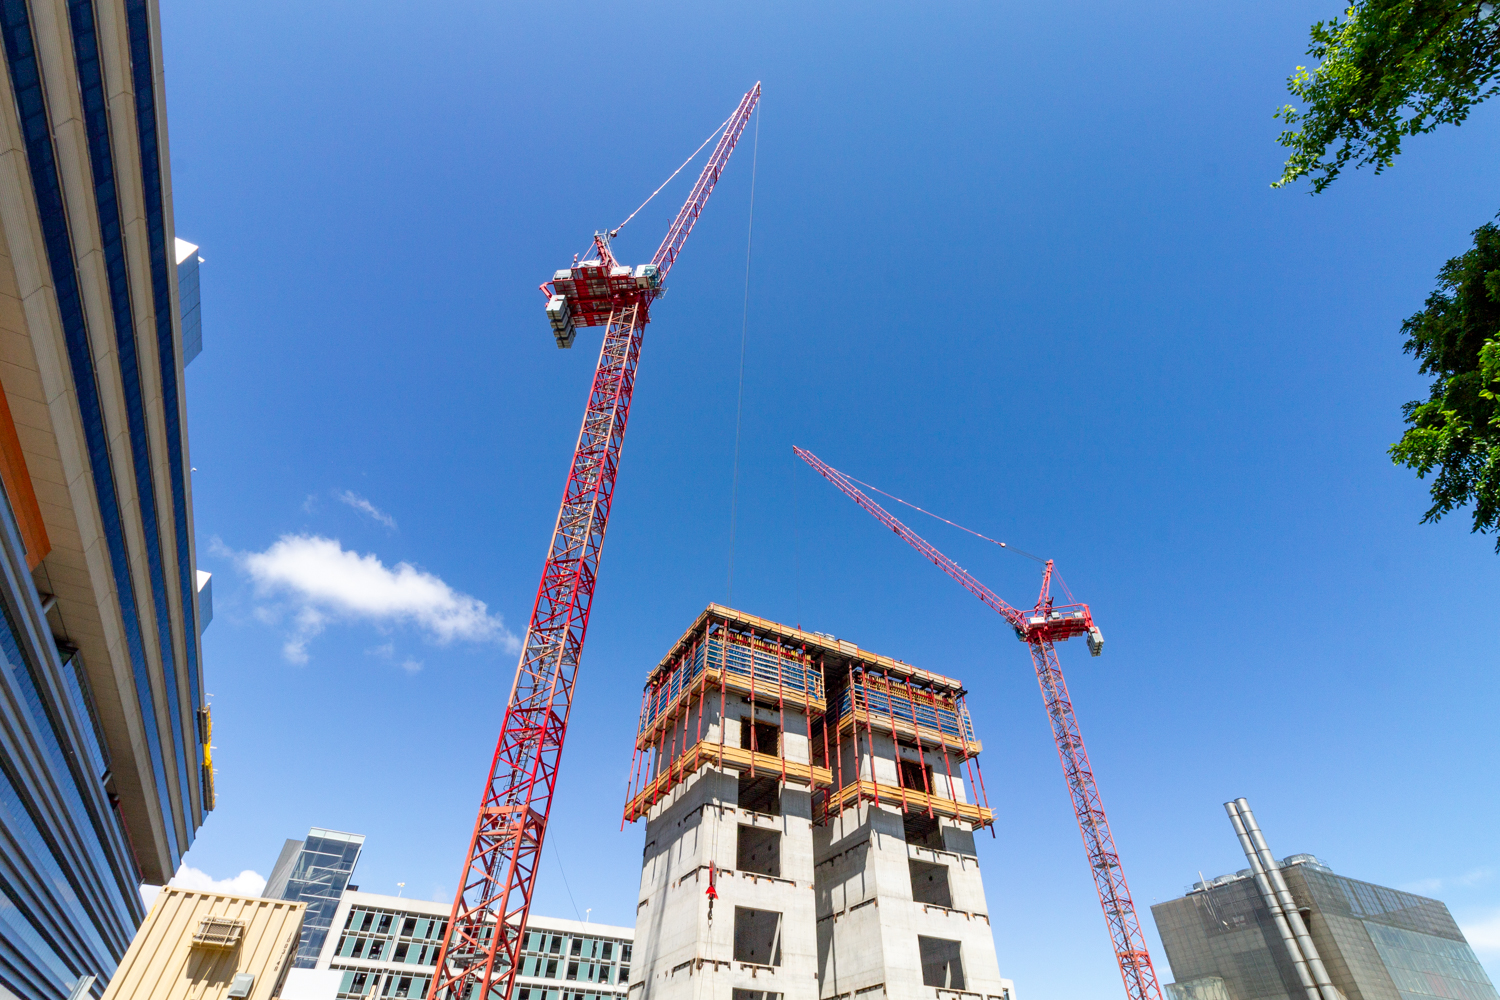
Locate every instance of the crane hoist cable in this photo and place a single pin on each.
(739, 405)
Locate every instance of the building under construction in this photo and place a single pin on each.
(771, 761)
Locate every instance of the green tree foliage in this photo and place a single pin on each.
(1389, 69)
(1456, 431)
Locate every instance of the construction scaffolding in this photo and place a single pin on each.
(727, 654)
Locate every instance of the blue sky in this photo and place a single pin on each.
(1017, 263)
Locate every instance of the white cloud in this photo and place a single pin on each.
(364, 506)
(246, 883)
(1484, 934)
(411, 666)
(326, 582)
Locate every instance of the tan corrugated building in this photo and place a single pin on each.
(209, 946)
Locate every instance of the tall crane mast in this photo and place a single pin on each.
(1040, 628)
(481, 950)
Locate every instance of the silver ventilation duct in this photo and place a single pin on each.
(1278, 898)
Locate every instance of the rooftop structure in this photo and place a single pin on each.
(104, 721)
(315, 871)
(192, 312)
(1294, 930)
(810, 812)
(203, 945)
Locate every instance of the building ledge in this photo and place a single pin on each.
(907, 799)
(722, 757)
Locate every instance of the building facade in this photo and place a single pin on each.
(810, 812)
(103, 774)
(203, 945)
(1376, 943)
(386, 946)
(315, 871)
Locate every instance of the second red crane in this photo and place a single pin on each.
(1040, 628)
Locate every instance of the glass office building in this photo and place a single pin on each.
(103, 775)
(1376, 943)
(315, 871)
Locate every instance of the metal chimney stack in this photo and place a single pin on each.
(1278, 899)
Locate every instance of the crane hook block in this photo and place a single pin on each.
(1096, 640)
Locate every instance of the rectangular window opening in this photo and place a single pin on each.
(756, 995)
(761, 794)
(929, 883)
(759, 851)
(757, 936)
(942, 963)
(916, 777)
(922, 830)
(767, 737)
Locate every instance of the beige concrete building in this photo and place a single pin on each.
(209, 946)
(92, 371)
(103, 723)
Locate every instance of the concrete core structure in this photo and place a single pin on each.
(809, 825)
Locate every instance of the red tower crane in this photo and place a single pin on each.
(481, 950)
(1040, 628)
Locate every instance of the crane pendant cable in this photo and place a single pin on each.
(739, 406)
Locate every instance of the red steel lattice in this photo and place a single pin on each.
(1040, 628)
(481, 950)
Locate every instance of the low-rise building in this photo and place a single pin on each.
(1290, 929)
(387, 946)
(209, 946)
